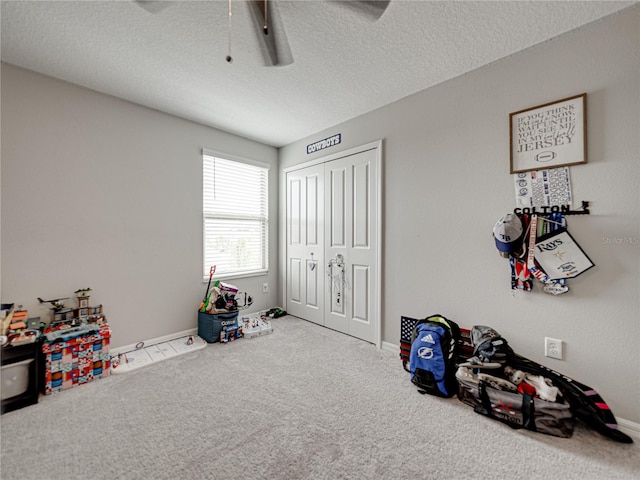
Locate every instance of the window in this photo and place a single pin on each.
(235, 216)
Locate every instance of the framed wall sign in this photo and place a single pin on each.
(550, 135)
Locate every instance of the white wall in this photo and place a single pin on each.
(447, 181)
(98, 192)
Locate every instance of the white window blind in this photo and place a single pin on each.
(235, 217)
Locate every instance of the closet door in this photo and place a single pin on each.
(305, 243)
(351, 250)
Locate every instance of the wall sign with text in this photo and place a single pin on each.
(326, 143)
(550, 135)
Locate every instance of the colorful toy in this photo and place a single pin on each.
(207, 294)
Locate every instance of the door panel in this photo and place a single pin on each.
(305, 243)
(351, 200)
(364, 321)
(294, 206)
(337, 211)
(313, 284)
(337, 208)
(311, 210)
(361, 293)
(361, 208)
(294, 273)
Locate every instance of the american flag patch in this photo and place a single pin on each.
(406, 328)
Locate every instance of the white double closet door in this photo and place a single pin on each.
(332, 231)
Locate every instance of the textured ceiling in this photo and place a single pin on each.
(345, 64)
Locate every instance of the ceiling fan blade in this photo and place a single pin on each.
(152, 6)
(372, 9)
(273, 41)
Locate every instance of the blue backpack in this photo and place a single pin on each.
(434, 352)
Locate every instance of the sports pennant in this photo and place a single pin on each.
(560, 256)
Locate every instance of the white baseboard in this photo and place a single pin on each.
(630, 428)
(154, 341)
(173, 336)
(390, 346)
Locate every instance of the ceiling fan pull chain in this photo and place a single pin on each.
(265, 29)
(229, 57)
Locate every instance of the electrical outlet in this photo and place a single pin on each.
(265, 287)
(553, 348)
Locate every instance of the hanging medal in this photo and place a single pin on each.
(520, 275)
(531, 262)
(554, 222)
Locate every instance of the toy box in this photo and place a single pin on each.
(210, 325)
(230, 333)
(77, 360)
(253, 327)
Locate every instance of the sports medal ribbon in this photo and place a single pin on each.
(531, 263)
(520, 276)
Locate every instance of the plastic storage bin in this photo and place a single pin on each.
(210, 325)
(20, 364)
(15, 378)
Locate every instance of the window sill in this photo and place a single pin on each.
(233, 276)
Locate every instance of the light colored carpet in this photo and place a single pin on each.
(303, 403)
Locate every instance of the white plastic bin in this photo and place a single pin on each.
(15, 378)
